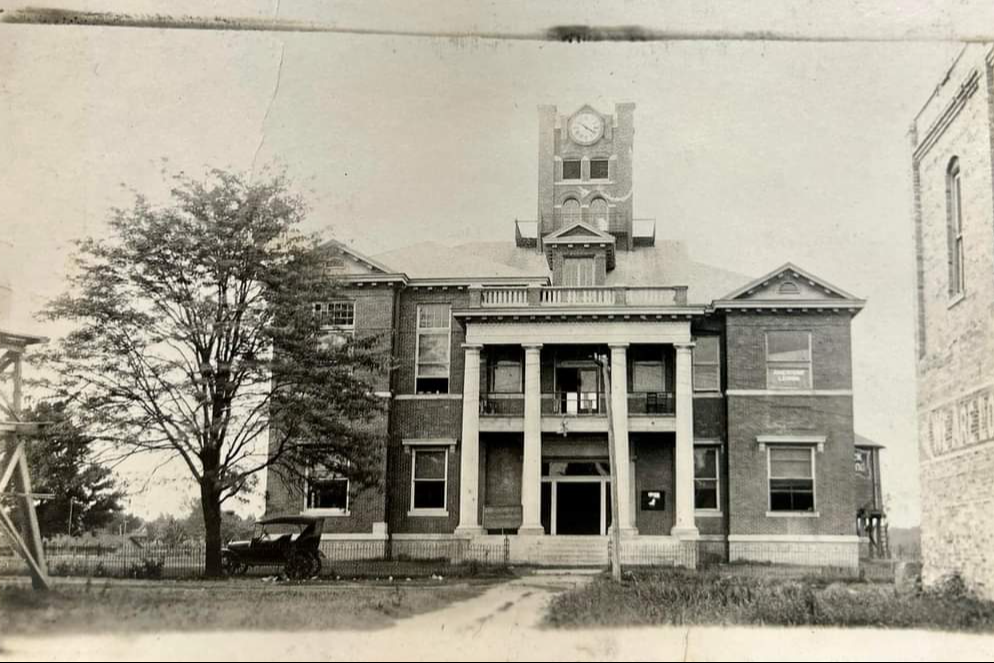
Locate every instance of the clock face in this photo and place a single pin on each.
(586, 127)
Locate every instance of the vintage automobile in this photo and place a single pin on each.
(291, 542)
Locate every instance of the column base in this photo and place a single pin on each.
(627, 532)
(469, 531)
(531, 530)
(685, 533)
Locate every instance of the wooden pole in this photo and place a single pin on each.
(28, 541)
(612, 461)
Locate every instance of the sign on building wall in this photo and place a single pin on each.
(653, 500)
(788, 378)
(967, 422)
(862, 458)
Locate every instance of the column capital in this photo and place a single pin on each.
(472, 346)
(618, 346)
(534, 347)
(685, 346)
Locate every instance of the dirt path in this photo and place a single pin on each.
(502, 625)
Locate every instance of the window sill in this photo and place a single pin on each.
(326, 513)
(428, 397)
(708, 514)
(956, 299)
(793, 514)
(428, 513)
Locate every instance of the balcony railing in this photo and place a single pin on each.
(502, 405)
(572, 403)
(660, 403)
(562, 296)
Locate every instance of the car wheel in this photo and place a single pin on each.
(233, 566)
(316, 565)
(297, 567)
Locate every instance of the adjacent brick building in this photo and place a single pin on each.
(953, 175)
(731, 396)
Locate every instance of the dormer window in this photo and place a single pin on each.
(598, 169)
(571, 169)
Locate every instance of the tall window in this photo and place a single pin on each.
(571, 169)
(433, 341)
(788, 360)
(598, 169)
(792, 483)
(579, 271)
(571, 212)
(429, 473)
(504, 371)
(337, 322)
(327, 491)
(957, 280)
(707, 363)
(706, 478)
(599, 213)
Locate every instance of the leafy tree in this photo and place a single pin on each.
(84, 495)
(194, 336)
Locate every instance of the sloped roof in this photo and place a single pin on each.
(664, 264)
(862, 441)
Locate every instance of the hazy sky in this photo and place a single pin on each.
(754, 153)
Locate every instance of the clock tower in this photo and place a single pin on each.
(585, 171)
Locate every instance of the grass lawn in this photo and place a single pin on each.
(130, 606)
(677, 596)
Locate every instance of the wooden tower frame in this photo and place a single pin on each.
(18, 520)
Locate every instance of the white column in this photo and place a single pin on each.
(531, 466)
(685, 526)
(619, 413)
(469, 458)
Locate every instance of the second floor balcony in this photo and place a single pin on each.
(579, 296)
(578, 404)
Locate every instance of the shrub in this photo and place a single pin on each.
(146, 569)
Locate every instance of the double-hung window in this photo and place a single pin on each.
(792, 478)
(337, 321)
(433, 349)
(429, 475)
(327, 491)
(788, 360)
(706, 488)
(707, 363)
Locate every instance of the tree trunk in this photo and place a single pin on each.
(211, 505)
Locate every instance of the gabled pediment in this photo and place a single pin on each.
(790, 284)
(579, 231)
(347, 262)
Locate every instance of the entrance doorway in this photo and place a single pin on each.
(576, 498)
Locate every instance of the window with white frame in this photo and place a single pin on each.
(792, 478)
(326, 491)
(707, 363)
(706, 481)
(433, 349)
(429, 475)
(788, 360)
(337, 320)
(954, 210)
(339, 314)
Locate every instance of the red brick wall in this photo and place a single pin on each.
(783, 414)
(831, 349)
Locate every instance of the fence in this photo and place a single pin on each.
(401, 558)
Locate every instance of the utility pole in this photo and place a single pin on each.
(612, 461)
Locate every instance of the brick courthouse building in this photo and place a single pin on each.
(731, 397)
(953, 161)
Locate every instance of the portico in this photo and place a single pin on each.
(559, 415)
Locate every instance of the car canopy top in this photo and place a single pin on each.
(290, 520)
